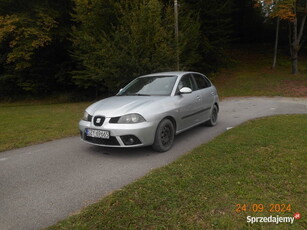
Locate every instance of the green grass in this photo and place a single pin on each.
(23, 125)
(251, 75)
(260, 162)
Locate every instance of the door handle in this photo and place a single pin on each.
(212, 93)
(198, 97)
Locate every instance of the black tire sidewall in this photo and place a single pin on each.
(210, 122)
(158, 146)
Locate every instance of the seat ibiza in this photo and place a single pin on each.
(151, 110)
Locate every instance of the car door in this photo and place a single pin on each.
(189, 104)
(207, 92)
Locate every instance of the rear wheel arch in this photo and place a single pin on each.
(217, 105)
(213, 116)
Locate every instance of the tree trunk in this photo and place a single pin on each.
(294, 60)
(296, 42)
(276, 43)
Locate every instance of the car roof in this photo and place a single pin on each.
(172, 73)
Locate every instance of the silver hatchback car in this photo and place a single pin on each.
(151, 110)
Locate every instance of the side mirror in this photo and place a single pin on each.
(185, 90)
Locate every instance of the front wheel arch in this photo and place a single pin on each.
(173, 121)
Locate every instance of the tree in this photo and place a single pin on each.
(33, 39)
(216, 30)
(276, 43)
(115, 41)
(25, 35)
(296, 32)
(295, 12)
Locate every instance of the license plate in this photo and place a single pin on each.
(97, 133)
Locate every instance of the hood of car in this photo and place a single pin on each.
(121, 105)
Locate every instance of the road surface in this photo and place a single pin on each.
(42, 184)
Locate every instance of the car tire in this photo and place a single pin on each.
(164, 137)
(213, 116)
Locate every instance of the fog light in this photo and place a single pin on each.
(130, 140)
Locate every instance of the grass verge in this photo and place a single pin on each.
(260, 162)
(252, 75)
(23, 125)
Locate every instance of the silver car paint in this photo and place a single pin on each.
(185, 110)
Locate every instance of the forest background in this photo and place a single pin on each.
(91, 48)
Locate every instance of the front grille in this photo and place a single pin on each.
(100, 141)
(98, 120)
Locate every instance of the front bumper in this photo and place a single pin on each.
(121, 135)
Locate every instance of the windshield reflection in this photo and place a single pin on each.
(150, 86)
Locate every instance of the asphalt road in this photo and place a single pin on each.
(42, 184)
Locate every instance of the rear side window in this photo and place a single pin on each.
(201, 81)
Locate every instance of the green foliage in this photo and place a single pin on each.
(215, 31)
(190, 40)
(33, 46)
(138, 40)
(215, 17)
(25, 35)
(99, 45)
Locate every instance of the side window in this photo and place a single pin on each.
(201, 81)
(187, 81)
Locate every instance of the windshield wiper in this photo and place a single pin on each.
(142, 94)
(134, 94)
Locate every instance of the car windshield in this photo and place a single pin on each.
(150, 86)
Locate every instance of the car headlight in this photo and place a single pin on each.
(131, 119)
(86, 116)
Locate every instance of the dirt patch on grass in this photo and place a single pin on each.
(294, 88)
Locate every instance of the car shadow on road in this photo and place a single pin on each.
(120, 152)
